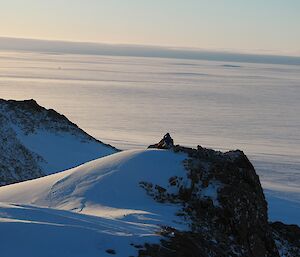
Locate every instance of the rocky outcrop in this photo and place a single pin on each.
(17, 162)
(287, 239)
(20, 120)
(223, 201)
(166, 143)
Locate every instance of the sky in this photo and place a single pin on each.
(255, 26)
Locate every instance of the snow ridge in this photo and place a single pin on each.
(35, 141)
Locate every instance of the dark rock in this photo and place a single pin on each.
(17, 163)
(166, 143)
(231, 221)
(287, 238)
(111, 251)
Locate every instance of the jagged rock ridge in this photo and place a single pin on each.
(35, 141)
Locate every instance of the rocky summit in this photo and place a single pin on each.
(225, 206)
(166, 142)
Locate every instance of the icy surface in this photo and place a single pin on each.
(130, 102)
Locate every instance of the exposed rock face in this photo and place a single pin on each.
(166, 143)
(20, 120)
(287, 239)
(222, 199)
(17, 162)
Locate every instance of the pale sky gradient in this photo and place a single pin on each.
(269, 26)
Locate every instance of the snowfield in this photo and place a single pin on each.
(61, 151)
(87, 210)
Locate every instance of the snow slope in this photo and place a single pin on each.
(61, 151)
(101, 208)
(43, 232)
(35, 141)
(91, 208)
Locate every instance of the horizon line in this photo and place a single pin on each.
(142, 50)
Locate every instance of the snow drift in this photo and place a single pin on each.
(91, 210)
(109, 186)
